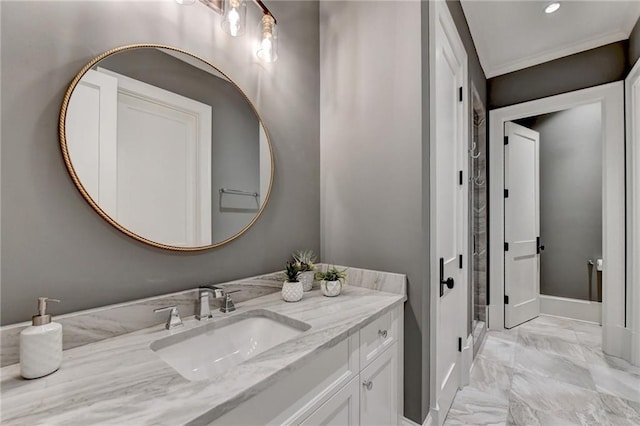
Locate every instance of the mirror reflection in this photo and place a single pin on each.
(168, 148)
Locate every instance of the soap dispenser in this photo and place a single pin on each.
(41, 344)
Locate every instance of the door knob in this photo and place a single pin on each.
(539, 247)
(449, 282)
(368, 384)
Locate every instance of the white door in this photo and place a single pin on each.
(450, 208)
(91, 136)
(162, 164)
(379, 390)
(342, 409)
(521, 224)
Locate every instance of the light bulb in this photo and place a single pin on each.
(552, 7)
(234, 22)
(235, 12)
(268, 48)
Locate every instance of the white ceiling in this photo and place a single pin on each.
(515, 34)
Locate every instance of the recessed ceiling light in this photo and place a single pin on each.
(552, 7)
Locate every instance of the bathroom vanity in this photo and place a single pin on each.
(341, 363)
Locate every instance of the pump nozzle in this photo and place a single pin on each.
(42, 317)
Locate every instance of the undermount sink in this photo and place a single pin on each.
(207, 351)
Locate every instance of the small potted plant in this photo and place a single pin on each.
(292, 287)
(331, 281)
(305, 260)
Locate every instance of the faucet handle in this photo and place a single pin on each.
(174, 319)
(227, 304)
(217, 291)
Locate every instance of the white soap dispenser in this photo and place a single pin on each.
(41, 344)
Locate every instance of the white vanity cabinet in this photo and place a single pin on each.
(358, 381)
(343, 408)
(369, 399)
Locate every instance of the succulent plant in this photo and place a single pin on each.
(305, 260)
(292, 272)
(332, 274)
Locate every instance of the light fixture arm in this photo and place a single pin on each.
(234, 23)
(265, 9)
(217, 6)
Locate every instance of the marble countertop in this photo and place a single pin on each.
(122, 381)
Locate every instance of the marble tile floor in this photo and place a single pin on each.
(548, 371)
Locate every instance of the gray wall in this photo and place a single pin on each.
(422, 310)
(570, 199)
(235, 140)
(375, 154)
(372, 178)
(53, 243)
(593, 67)
(634, 45)
(476, 74)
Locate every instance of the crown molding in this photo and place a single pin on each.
(581, 46)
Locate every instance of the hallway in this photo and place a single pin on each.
(548, 371)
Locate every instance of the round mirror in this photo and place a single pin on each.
(165, 147)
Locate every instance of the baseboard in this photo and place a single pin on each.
(616, 341)
(583, 310)
(427, 422)
(466, 361)
(622, 343)
(466, 364)
(408, 422)
(634, 350)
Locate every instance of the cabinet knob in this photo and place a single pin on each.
(382, 333)
(368, 384)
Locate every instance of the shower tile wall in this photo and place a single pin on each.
(479, 217)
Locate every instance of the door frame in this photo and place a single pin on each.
(632, 105)
(438, 10)
(611, 98)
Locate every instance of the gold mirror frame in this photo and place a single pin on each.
(85, 194)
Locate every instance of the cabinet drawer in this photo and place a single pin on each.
(377, 336)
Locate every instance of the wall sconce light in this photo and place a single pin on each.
(268, 49)
(234, 18)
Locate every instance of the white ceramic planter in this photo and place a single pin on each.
(292, 292)
(306, 278)
(330, 288)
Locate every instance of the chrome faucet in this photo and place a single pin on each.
(204, 311)
(174, 319)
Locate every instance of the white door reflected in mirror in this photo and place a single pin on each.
(154, 174)
(153, 135)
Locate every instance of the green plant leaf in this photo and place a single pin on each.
(292, 272)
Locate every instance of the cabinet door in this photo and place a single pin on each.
(379, 390)
(342, 409)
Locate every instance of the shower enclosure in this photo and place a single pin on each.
(478, 219)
